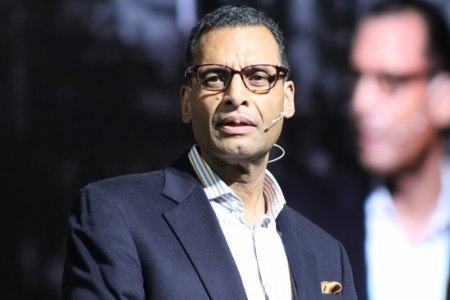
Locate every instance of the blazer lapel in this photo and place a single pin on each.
(301, 259)
(195, 224)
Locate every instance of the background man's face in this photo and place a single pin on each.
(389, 100)
(231, 125)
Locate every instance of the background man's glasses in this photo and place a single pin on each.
(391, 82)
(258, 79)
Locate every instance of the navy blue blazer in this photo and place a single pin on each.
(156, 236)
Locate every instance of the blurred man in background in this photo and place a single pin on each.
(401, 110)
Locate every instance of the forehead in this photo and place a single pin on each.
(394, 42)
(238, 46)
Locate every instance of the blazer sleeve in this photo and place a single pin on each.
(102, 261)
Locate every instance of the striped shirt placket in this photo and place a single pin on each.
(262, 242)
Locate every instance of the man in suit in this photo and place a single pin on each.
(214, 225)
(399, 240)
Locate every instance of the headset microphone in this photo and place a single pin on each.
(274, 121)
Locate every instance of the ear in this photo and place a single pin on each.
(439, 100)
(289, 103)
(186, 109)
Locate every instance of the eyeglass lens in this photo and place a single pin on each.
(390, 82)
(218, 78)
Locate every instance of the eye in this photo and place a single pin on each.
(391, 82)
(260, 76)
(213, 77)
(256, 77)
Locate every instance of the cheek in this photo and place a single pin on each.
(408, 118)
(200, 118)
(271, 106)
(203, 111)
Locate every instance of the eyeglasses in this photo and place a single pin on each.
(391, 82)
(258, 79)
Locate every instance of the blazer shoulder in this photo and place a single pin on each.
(127, 185)
(142, 189)
(136, 195)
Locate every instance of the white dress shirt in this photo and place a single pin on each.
(398, 268)
(258, 252)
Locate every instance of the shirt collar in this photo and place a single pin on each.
(218, 190)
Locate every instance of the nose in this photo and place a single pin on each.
(237, 93)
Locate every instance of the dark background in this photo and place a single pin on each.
(89, 90)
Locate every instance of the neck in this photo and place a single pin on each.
(247, 181)
(415, 192)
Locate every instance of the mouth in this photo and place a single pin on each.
(236, 125)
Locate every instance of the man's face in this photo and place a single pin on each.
(389, 100)
(231, 126)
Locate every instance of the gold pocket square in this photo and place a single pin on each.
(331, 287)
